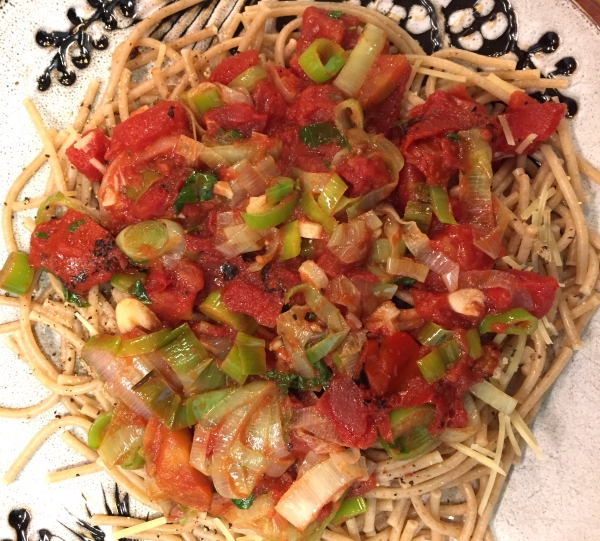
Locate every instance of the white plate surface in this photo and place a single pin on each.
(554, 500)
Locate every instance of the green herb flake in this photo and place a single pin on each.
(41, 235)
(73, 298)
(405, 282)
(335, 14)
(245, 503)
(234, 134)
(75, 225)
(315, 135)
(197, 189)
(296, 381)
(453, 137)
(138, 291)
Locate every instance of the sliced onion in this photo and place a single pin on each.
(273, 242)
(248, 394)
(227, 474)
(278, 467)
(309, 462)
(295, 334)
(257, 432)
(403, 266)
(490, 241)
(241, 239)
(343, 292)
(217, 346)
(301, 504)
(318, 445)
(312, 274)
(340, 156)
(119, 443)
(349, 241)
(372, 220)
(349, 354)
(235, 95)
(277, 446)
(192, 151)
(418, 244)
(311, 420)
(363, 56)
(249, 178)
(268, 168)
(369, 201)
(314, 182)
(119, 376)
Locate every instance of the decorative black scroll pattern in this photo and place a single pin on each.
(417, 17)
(20, 519)
(478, 13)
(507, 42)
(566, 66)
(79, 39)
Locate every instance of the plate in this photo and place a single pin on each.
(551, 500)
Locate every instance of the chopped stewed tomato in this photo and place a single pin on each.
(316, 23)
(173, 291)
(167, 454)
(514, 289)
(77, 250)
(390, 362)
(363, 174)
(525, 116)
(242, 297)
(141, 130)
(426, 144)
(344, 405)
(84, 157)
(229, 68)
(315, 104)
(387, 73)
(234, 116)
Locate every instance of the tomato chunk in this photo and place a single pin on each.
(435, 307)
(263, 306)
(316, 23)
(77, 250)
(167, 454)
(363, 174)
(387, 73)
(95, 149)
(234, 116)
(142, 186)
(268, 101)
(174, 291)
(513, 289)
(344, 405)
(143, 129)
(315, 104)
(525, 116)
(426, 145)
(229, 68)
(390, 362)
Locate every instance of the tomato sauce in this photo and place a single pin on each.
(155, 170)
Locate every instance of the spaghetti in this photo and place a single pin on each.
(538, 201)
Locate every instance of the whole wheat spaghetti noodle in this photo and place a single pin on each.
(543, 231)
